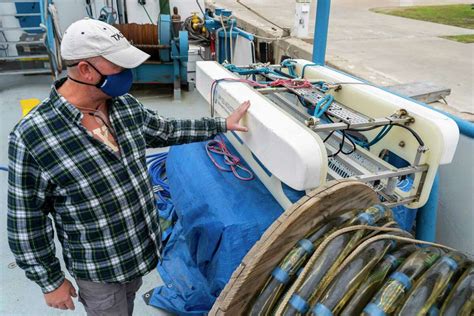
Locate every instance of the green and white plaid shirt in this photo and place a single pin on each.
(102, 204)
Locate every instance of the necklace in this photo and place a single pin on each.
(105, 132)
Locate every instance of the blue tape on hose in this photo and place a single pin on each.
(280, 275)
(373, 310)
(306, 245)
(321, 310)
(299, 303)
(393, 259)
(402, 278)
(393, 244)
(433, 311)
(453, 265)
(380, 208)
(369, 219)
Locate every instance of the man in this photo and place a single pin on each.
(80, 156)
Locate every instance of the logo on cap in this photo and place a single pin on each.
(117, 36)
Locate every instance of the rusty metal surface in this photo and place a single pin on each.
(143, 36)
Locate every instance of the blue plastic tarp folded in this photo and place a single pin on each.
(219, 218)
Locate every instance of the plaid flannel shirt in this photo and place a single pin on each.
(102, 205)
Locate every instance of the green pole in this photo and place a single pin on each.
(165, 7)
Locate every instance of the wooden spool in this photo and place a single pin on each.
(143, 36)
(315, 207)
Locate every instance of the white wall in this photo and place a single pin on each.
(455, 225)
(186, 7)
(9, 21)
(136, 13)
(73, 10)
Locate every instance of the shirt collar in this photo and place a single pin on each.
(67, 109)
(61, 104)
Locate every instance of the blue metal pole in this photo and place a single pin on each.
(321, 31)
(47, 21)
(426, 216)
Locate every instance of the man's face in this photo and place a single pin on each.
(101, 64)
(85, 71)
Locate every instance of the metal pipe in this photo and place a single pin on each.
(321, 31)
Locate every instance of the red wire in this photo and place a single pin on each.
(218, 146)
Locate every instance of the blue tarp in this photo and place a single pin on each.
(219, 218)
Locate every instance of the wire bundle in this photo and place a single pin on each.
(157, 170)
(291, 83)
(361, 262)
(289, 63)
(288, 83)
(323, 105)
(319, 110)
(196, 35)
(259, 70)
(165, 207)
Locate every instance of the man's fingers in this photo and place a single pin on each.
(241, 128)
(240, 112)
(244, 106)
(73, 292)
(232, 120)
(69, 304)
(59, 306)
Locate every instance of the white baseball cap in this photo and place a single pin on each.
(90, 38)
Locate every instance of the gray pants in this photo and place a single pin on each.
(104, 299)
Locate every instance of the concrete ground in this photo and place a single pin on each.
(383, 49)
(18, 295)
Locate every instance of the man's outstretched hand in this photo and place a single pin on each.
(61, 297)
(234, 119)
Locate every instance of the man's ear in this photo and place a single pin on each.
(85, 71)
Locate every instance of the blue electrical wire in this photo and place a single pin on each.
(157, 170)
(304, 68)
(385, 130)
(253, 71)
(2, 168)
(323, 105)
(245, 71)
(165, 207)
(321, 85)
(289, 63)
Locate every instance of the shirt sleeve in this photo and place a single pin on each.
(162, 132)
(30, 230)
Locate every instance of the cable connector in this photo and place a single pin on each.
(401, 114)
(312, 121)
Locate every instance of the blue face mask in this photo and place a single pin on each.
(113, 85)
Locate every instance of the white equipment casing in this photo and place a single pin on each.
(439, 132)
(194, 54)
(296, 155)
(285, 147)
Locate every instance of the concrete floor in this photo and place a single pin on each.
(18, 295)
(380, 48)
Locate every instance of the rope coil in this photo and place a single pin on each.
(218, 146)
